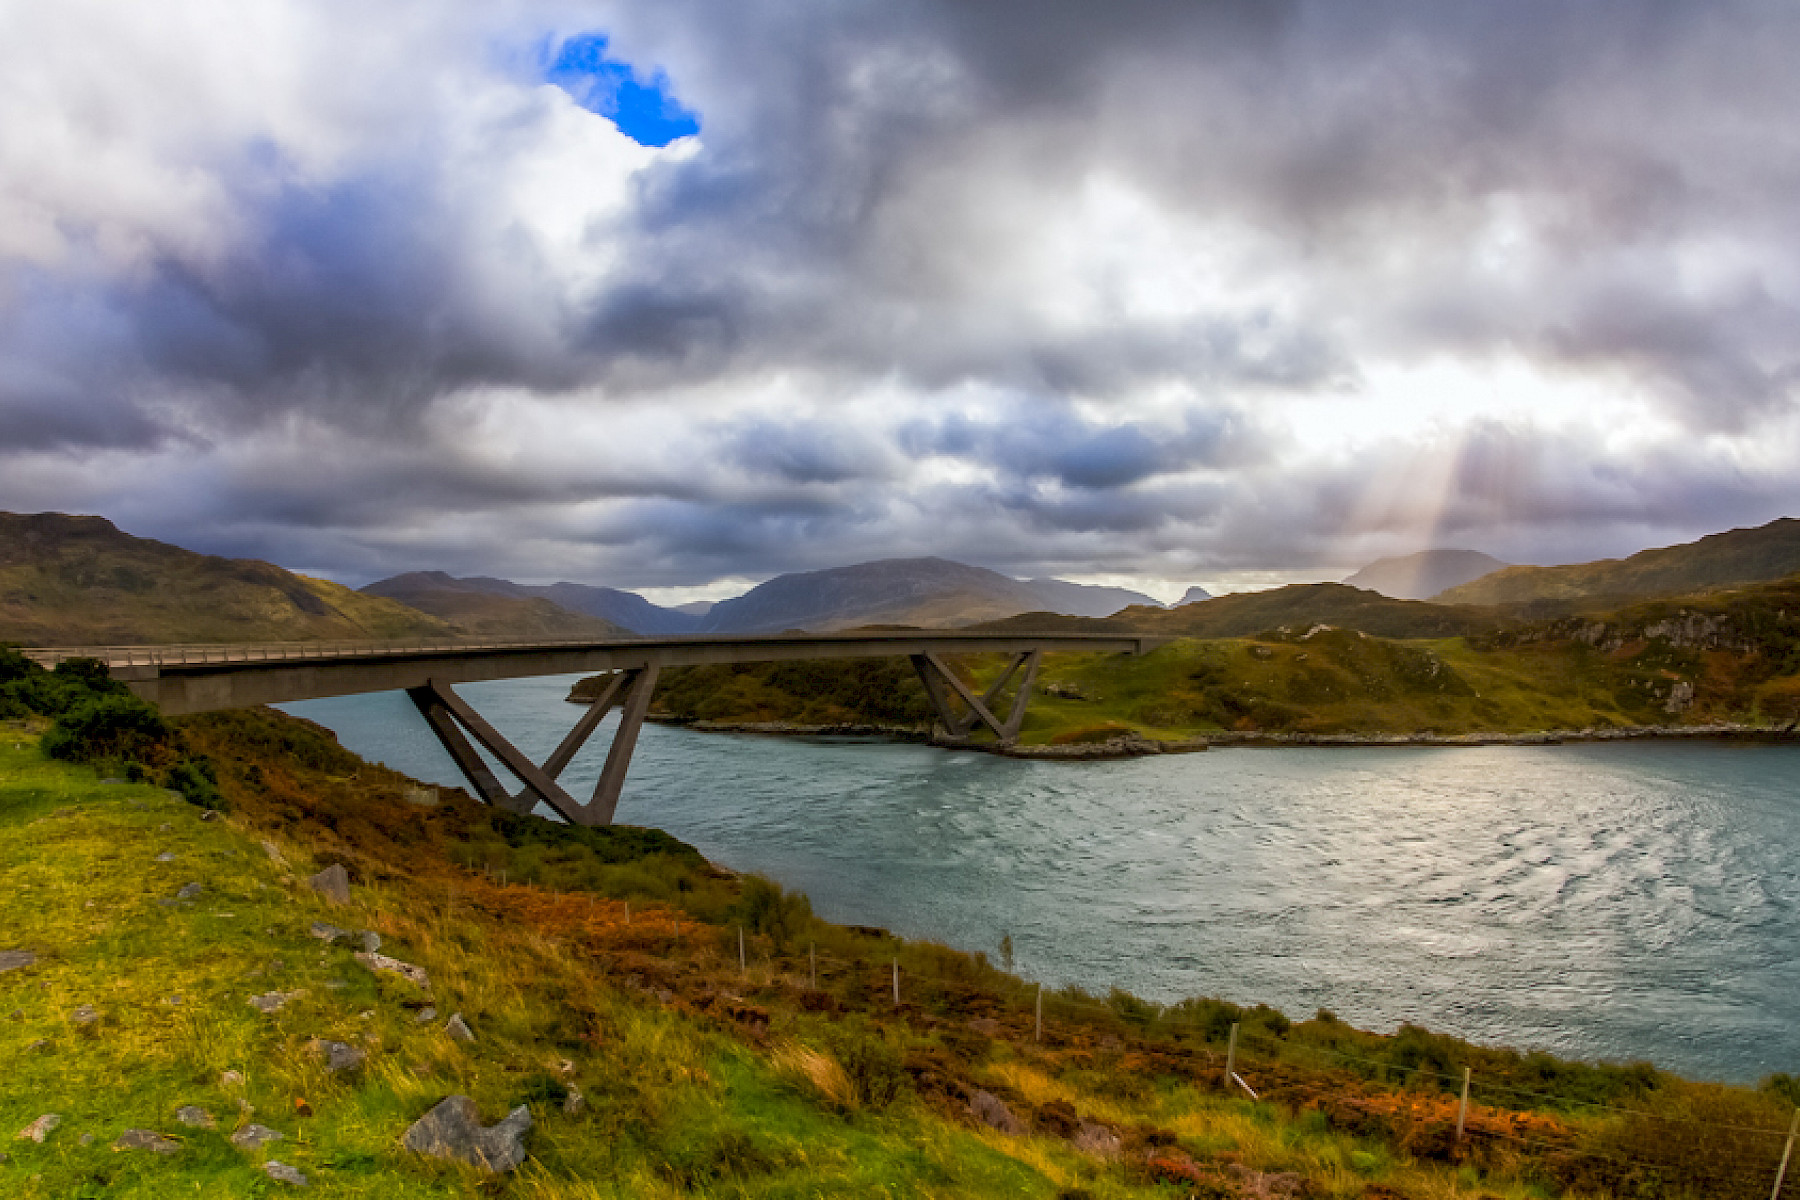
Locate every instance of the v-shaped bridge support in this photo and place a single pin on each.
(941, 683)
(454, 722)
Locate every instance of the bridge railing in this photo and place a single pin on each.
(199, 653)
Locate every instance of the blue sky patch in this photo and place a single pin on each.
(645, 110)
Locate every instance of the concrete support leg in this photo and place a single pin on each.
(439, 704)
(940, 682)
(599, 810)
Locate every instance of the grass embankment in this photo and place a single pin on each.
(695, 1077)
(1733, 657)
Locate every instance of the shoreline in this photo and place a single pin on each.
(1135, 746)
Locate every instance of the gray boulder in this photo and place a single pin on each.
(371, 940)
(381, 962)
(12, 960)
(87, 1014)
(270, 1002)
(39, 1129)
(333, 883)
(339, 1056)
(453, 1130)
(144, 1139)
(189, 891)
(255, 1137)
(327, 933)
(282, 1173)
(991, 1111)
(458, 1028)
(194, 1117)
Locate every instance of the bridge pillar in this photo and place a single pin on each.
(941, 682)
(454, 722)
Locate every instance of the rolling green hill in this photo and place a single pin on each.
(68, 580)
(1731, 559)
(1300, 605)
(480, 612)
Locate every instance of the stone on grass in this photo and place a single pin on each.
(189, 891)
(211, 814)
(333, 883)
(145, 1139)
(194, 1117)
(272, 852)
(574, 1102)
(270, 1002)
(282, 1173)
(381, 962)
(12, 960)
(427, 1013)
(255, 1137)
(991, 1111)
(339, 1056)
(458, 1028)
(371, 940)
(231, 1078)
(453, 1130)
(87, 1014)
(39, 1129)
(166, 856)
(327, 933)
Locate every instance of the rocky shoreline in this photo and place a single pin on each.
(1136, 746)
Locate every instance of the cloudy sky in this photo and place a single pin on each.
(672, 295)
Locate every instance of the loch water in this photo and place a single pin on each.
(1608, 901)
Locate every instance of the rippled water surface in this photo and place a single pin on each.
(1614, 902)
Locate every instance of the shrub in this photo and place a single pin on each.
(108, 728)
(197, 782)
(763, 907)
(869, 1061)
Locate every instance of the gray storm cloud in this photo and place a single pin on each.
(1048, 286)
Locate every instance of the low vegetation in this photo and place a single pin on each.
(1727, 657)
(600, 973)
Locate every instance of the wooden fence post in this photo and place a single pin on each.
(1462, 1110)
(1037, 1033)
(1231, 1055)
(1786, 1153)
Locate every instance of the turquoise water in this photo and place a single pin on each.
(1614, 902)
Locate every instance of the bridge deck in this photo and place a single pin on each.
(201, 678)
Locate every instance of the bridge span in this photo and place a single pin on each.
(202, 678)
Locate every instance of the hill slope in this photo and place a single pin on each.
(904, 591)
(480, 612)
(68, 580)
(1302, 605)
(627, 610)
(1423, 575)
(1731, 559)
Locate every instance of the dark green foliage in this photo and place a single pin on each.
(197, 781)
(869, 1059)
(108, 728)
(877, 691)
(1782, 1086)
(764, 908)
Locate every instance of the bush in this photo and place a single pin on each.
(109, 728)
(870, 1062)
(197, 782)
(763, 907)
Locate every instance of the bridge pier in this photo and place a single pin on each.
(940, 682)
(454, 722)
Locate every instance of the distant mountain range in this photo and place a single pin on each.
(70, 580)
(80, 581)
(481, 608)
(905, 591)
(1731, 559)
(1423, 575)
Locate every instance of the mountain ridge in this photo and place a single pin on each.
(1423, 575)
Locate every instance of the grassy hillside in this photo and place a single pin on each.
(1731, 559)
(80, 581)
(603, 964)
(1724, 657)
(476, 611)
(1244, 614)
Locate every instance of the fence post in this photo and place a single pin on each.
(628, 912)
(1787, 1152)
(1462, 1110)
(896, 983)
(1037, 1032)
(812, 958)
(1231, 1055)
(743, 967)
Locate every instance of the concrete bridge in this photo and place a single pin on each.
(193, 679)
